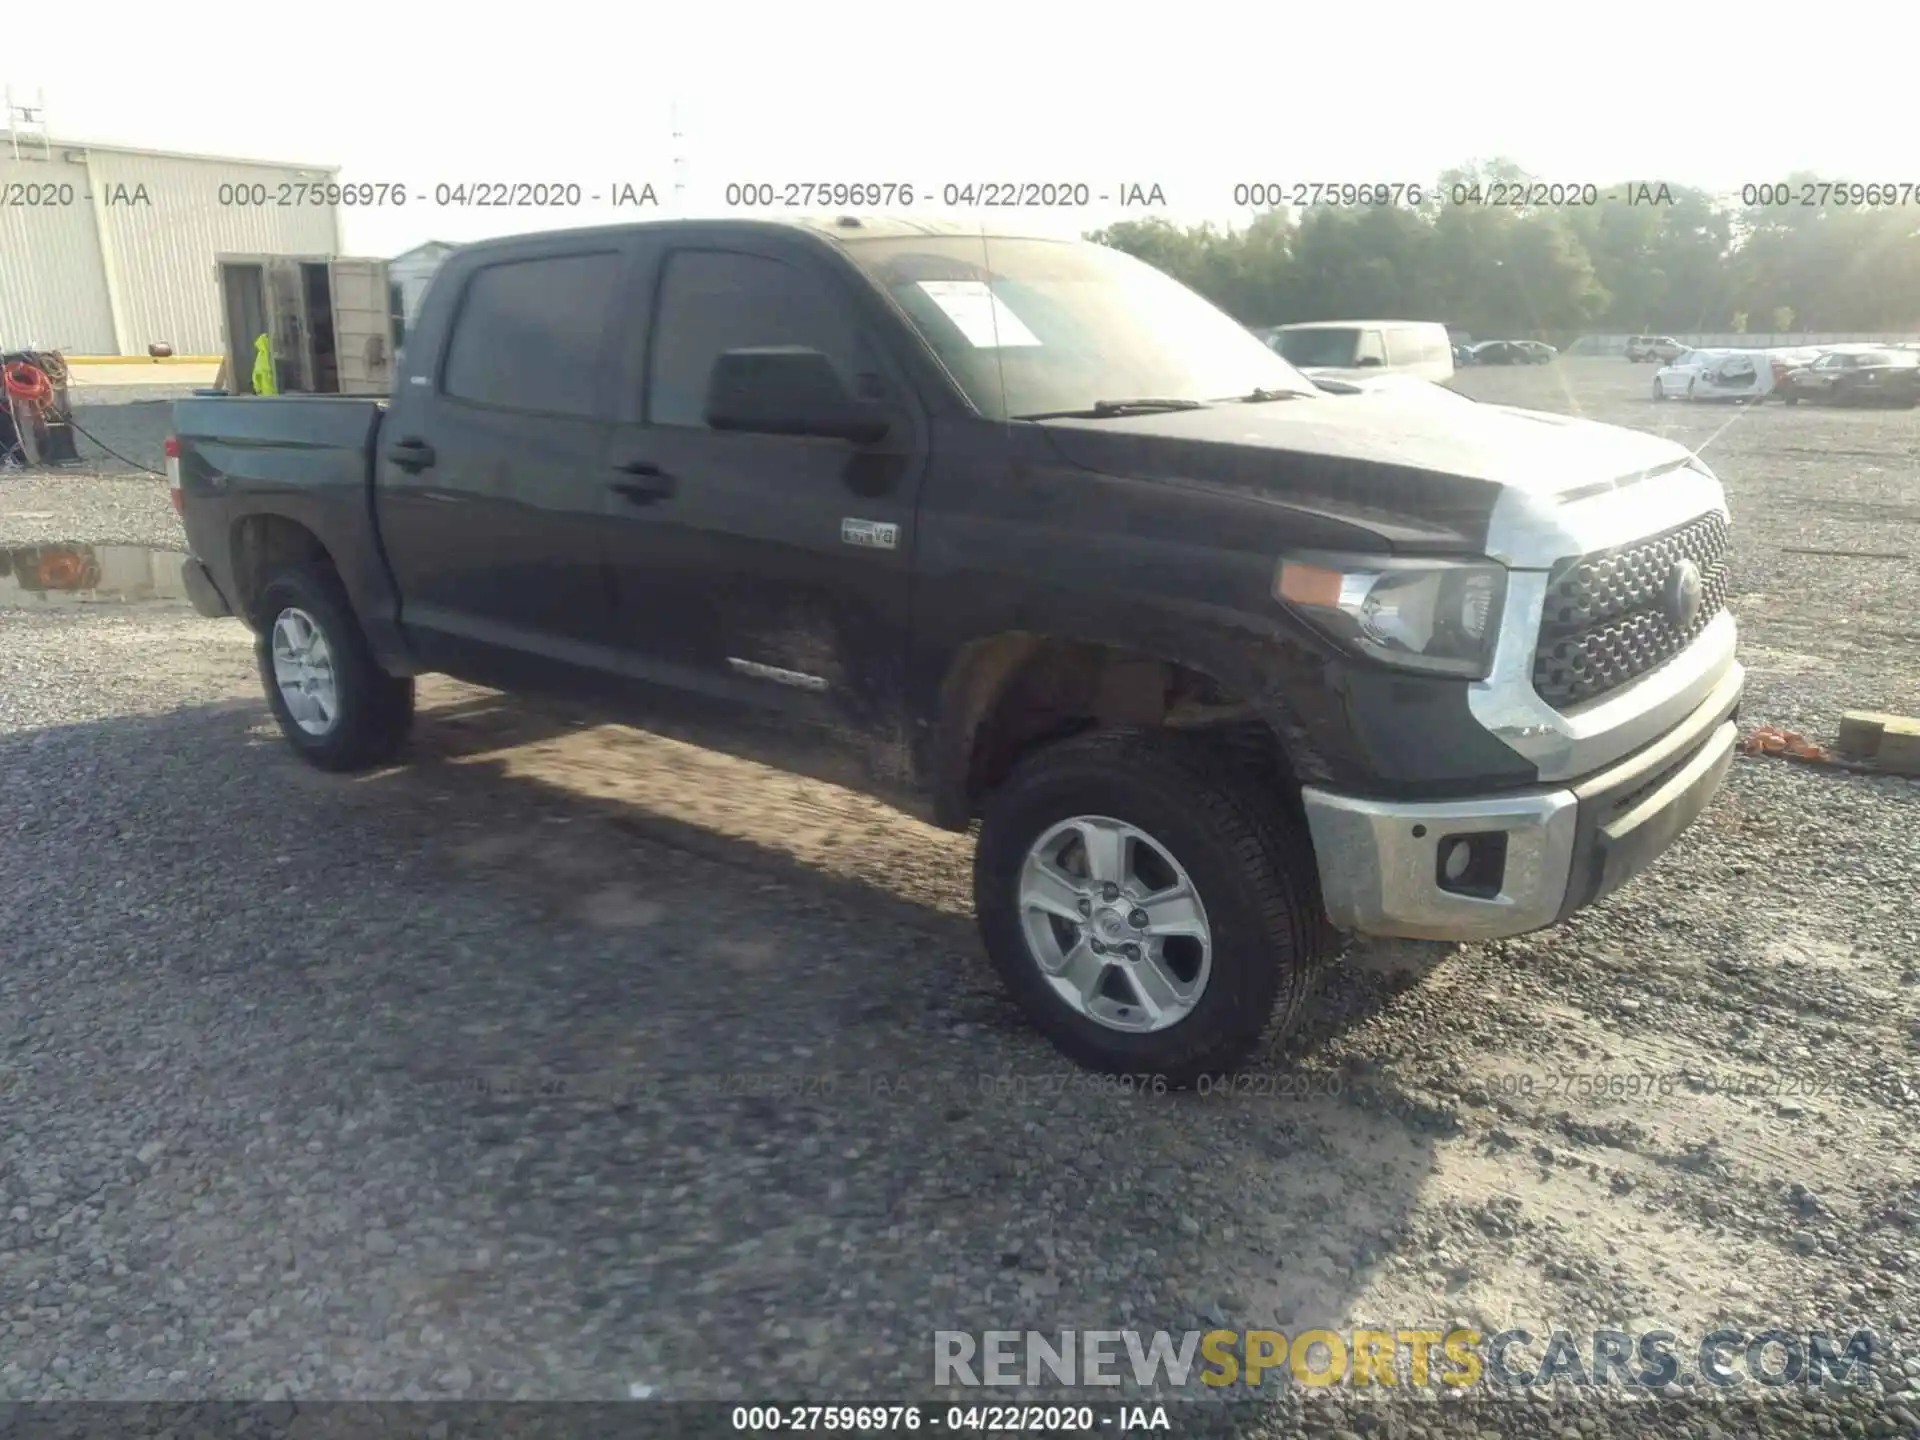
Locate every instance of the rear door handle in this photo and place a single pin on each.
(411, 455)
(643, 482)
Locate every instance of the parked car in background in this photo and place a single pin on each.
(1717, 374)
(1462, 355)
(1857, 375)
(1350, 348)
(1785, 361)
(1663, 348)
(1513, 352)
(1676, 379)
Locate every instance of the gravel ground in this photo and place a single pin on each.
(567, 1059)
(108, 499)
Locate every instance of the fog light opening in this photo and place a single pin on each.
(1472, 865)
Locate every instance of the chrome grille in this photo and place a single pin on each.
(1604, 625)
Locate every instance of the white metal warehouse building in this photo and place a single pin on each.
(106, 250)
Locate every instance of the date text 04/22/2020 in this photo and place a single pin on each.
(444, 194)
(1462, 194)
(1066, 194)
(955, 1419)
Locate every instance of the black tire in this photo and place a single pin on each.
(1789, 396)
(375, 709)
(1252, 866)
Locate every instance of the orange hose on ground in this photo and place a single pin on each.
(62, 570)
(29, 383)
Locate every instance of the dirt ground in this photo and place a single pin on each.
(795, 1123)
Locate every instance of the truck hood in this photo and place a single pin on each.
(1423, 473)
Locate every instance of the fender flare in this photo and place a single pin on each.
(1130, 690)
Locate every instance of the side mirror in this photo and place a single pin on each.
(1369, 362)
(788, 390)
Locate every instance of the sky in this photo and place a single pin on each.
(932, 95)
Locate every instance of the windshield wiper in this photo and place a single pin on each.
(1105, 409)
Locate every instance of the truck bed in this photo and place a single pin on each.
(308, 459)
(281, 441)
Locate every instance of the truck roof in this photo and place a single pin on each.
(839, 229)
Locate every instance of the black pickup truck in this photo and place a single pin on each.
(1018, 531)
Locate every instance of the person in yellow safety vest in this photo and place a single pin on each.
(263, 381)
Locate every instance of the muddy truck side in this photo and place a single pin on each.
(1019, 533)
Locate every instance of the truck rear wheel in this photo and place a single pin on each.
(334, 703)
(1151, 911)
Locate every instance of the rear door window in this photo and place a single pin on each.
(531, 334)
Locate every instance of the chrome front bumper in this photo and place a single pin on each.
(1539, 854)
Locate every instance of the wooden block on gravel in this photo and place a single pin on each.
(1899, 752)
(1860, 732)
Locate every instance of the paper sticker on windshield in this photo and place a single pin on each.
(978, 313)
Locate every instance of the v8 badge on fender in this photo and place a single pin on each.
(870, 534)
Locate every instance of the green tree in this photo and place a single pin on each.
(1684, 263)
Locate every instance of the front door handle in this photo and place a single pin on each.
(412, 456)
(643, 482)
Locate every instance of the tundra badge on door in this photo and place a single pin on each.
(872, 534)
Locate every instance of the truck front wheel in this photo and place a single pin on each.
(335, 705)
(1150, 910)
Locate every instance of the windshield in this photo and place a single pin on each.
(1063, 324)
(1310, 349)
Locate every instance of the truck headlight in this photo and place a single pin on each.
(1437, 616)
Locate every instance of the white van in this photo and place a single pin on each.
(1350, 349)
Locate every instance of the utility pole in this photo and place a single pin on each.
(679, 160)
(30, 118)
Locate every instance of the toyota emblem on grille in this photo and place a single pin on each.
(1683, 594)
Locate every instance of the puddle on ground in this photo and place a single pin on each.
(89, 575)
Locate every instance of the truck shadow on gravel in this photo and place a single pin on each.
(718, 1063)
